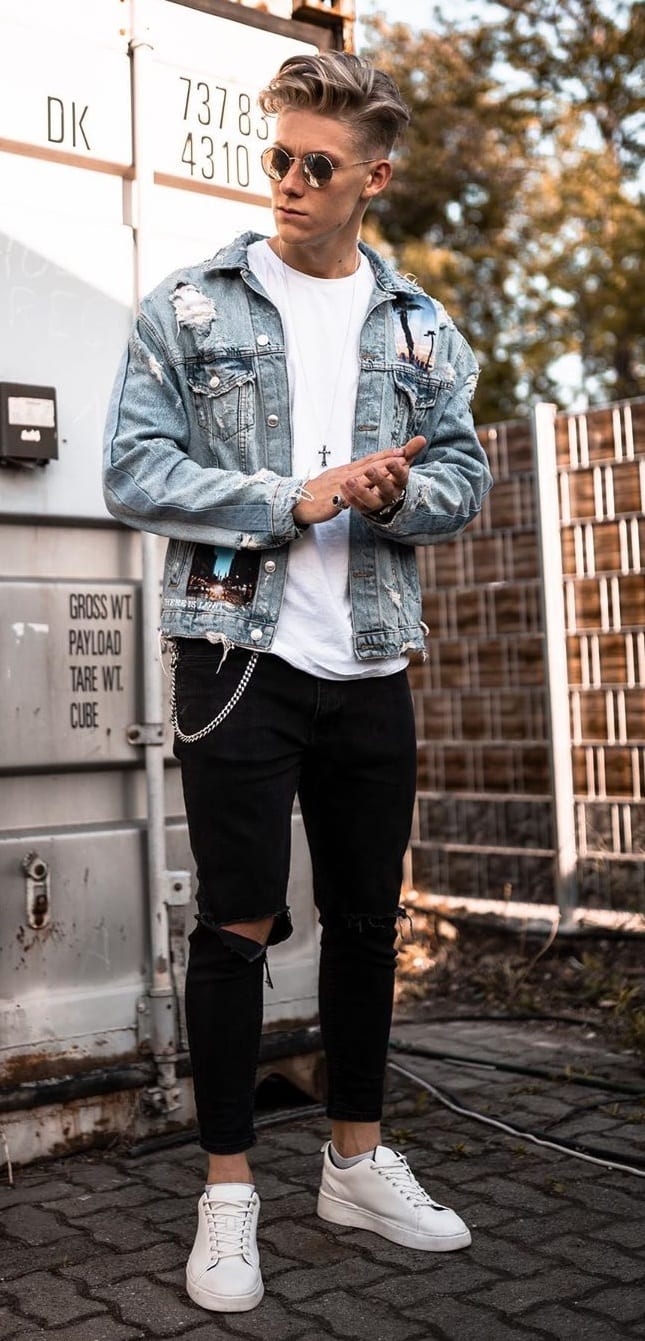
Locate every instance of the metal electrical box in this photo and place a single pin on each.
(28, 423)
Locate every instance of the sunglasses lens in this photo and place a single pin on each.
(276, 163)
(317, 169)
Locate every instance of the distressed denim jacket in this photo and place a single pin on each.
(198, 448)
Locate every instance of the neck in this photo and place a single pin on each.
(339, 264)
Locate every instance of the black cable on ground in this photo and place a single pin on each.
(535, 1072)
(501, 1017)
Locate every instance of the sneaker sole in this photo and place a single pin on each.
(345, 1213)
(222, 1303)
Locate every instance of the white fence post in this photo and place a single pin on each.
(557, 679)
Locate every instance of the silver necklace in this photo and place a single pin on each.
(324, 451)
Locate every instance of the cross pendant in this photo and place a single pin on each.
(323, 456)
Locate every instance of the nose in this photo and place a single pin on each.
(293, 183)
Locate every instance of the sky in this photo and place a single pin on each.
(418, 13)
(415, 12)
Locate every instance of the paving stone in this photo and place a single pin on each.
(611, 1199)
(9, 1323)
(601, 1258)
(351, 1316)
(116, 1266)
(273, 1263)
(303, 1243)
(631, 1234)
(544, 1265)
(487, 1251)
(158, 1210)
(119, 1230)
(98, 1176)
(269, 1320)
(78, 1203)
(300, 1139)
(564, 1322)
(440, 1277)
(52, 1300)
(305, 1282)
(15, 1262)
(270, 1188)
(512, 1193)
(166, 1176)
(535, 1230)
(212, 1331)
(147, 1304)
(32, 1192)
(376, 1249)
(459, 1321)
(624, 1303)
(92, 1329)
(516, 1295)
(480, 1214)
(298, 1205)
(33, 1225)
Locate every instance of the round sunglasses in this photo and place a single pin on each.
(317, 169)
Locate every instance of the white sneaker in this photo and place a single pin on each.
(223, 1271)
(383, 1195)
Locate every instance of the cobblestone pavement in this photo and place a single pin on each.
(93, 1247)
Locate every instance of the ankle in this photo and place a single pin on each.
(355, 1138)
(229, 1169)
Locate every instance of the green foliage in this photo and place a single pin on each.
(517, 197)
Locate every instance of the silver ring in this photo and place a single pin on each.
(339, 502)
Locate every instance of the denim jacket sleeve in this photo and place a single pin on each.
(151, 481)
(450, 479)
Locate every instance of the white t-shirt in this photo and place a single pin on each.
(322, 321)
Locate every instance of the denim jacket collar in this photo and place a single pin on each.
(234, 257)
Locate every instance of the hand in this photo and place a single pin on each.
(367, 485)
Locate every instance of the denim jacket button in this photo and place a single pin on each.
(269, 566)
(273, 420)
(263, 339)
(214, 381)
(256, 635)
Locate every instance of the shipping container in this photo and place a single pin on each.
(130, 143)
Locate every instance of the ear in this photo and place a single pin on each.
(379, 177)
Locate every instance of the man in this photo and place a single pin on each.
(295, 416)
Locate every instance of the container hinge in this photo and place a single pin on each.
(178, 888)
(145, 733)
(37, 891)
(143, 1024)
(177, 899)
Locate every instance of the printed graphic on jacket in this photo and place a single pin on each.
(220, 574)
(416, 326)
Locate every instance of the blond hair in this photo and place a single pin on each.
(333, 83)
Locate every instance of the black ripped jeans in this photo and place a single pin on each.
(347, 748)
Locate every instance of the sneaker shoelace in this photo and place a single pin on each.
(400, 1174)
(229, 1227)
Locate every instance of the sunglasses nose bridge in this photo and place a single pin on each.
(294, 177)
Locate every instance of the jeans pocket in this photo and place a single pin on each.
(207, 682)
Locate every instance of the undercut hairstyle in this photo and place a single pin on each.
(334, 83)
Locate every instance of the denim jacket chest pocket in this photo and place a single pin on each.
(223, 392)
(416, 391)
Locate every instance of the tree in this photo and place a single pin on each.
(517, 198)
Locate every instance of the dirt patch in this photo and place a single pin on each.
(450, 966)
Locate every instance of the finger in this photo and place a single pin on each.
(398, 471)
(365, 497)
(414, 446)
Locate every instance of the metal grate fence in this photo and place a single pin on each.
(492, 788)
